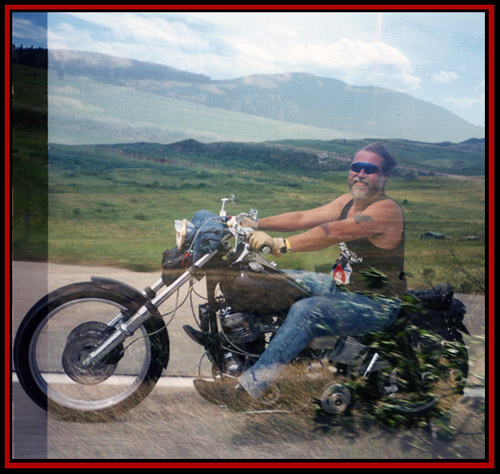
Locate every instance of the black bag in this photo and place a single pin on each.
(442, 314)
(172, 265)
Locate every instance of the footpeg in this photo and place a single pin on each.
(197, 336)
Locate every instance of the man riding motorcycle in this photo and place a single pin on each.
(368, 226)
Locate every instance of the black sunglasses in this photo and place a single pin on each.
(369, 168)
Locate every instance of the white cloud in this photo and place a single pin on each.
(252, 51)
(66, 36)
(350, 54)
(152, 30)
(249, 43)
(466, 102)
(445, 77)
(132, 28)
(358, 62)
(25, 30)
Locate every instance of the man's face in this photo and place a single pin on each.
(362, 184)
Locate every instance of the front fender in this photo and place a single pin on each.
(119, 287)
(126, 290)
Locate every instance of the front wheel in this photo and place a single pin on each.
(62, 329)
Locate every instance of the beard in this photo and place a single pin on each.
(366, 190)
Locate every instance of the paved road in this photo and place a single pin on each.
(174, 423)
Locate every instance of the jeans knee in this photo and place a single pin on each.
(305, 310)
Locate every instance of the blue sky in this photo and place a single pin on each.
(435, 56)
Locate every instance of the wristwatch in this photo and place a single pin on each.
(286, 247)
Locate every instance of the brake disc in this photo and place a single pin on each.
(80, 343)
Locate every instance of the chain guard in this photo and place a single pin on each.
(80, 343)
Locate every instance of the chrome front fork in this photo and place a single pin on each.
(127, 328)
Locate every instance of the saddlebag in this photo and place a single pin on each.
(442, 313)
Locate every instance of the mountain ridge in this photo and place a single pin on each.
(414, 158)
(299, 98)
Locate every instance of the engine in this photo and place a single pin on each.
(240, 328)
(244, 339)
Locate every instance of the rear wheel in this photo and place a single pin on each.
(429, 379)
(62, 329)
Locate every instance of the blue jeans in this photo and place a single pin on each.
(329, 311)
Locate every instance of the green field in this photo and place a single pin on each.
(115, 210)
(28, 163)
(116, 205)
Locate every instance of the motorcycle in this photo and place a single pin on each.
(94, 350)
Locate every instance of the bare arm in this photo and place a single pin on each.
(301, 220)
(382, 223)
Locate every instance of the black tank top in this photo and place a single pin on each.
(362, 266)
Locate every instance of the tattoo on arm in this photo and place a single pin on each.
(326, 229)
(359, 218)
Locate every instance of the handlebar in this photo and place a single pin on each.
(245, 231)
(186, 231)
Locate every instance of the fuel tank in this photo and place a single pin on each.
(254, 287)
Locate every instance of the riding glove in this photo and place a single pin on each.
(278, 245)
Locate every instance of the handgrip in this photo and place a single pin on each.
(265, 250)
